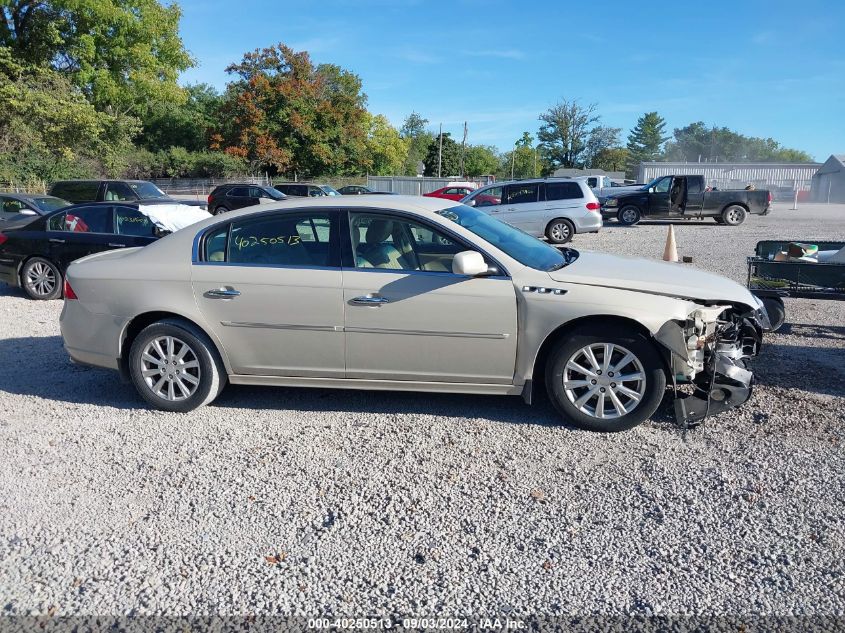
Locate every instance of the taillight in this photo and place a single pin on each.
(593, 206)
(68, 292)
(770, 199)
(208, 200)
(3, 238)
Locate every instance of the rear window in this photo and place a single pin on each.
(76, 191)
(563, 191)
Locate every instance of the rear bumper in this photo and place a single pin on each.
(590, 223)
(90, 338)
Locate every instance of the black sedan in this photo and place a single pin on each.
(35, 255)
(18, 205)
(233, 196)
(358, 190)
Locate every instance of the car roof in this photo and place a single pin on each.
(315, 184)
(28, 196)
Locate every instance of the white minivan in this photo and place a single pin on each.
(555, 208)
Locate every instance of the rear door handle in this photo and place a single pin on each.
(222, 293)
(369, 300)
(56, 240)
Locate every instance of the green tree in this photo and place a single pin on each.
(450, 163)
(612, 159)
(50, 130)
(125, 55)
(414, 129)
(282, 114)
(386, 149)
(645, 142)
(601, 139)
(698, 142)
(565, 130)
(481, 160)
(189, 124)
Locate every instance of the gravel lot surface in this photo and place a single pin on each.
(315, 501)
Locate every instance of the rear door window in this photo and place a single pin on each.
(563, 191)
(83, 220)
(239, 192)
(290, 239)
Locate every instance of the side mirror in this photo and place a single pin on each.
(469, 263)
(651, 189)
(470, 203)
(27, 212)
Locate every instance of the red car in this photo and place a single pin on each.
(452, 192)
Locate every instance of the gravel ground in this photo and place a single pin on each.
(301, 501)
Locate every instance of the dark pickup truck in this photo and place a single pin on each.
(685, 197)
(78, 191)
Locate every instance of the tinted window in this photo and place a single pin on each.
(146, 190)
(521, 194)
(82, 220)
(239, 192)
(119, 191)
(592, 182)
(694, 185)
(76, 191)
(255, 192)
(280, 240)
(563, 191)
(129, 221)
(10, 207)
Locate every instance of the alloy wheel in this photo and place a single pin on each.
(629, 216)
(41, 279)
(559, 232)
(170, 368)
(604, 380)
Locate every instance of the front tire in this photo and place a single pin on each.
(629, 215)
(175, 367)
(41, 279)
(605, 379)
(734, 215)
(560, 231)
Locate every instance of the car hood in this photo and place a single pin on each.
(654, 277)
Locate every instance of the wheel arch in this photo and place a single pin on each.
(744, 205)
(136, 325)
(567, 219)
(603, 320)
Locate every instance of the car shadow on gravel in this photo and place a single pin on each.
(39, 366)
(808, 368)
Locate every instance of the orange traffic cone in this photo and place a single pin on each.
(670, 253)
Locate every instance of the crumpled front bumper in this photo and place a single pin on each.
(725, 380)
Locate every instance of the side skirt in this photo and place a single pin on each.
(379, 385)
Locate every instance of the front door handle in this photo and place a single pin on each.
(56, 240)
(369, 300)
(222, 293)
(115, 245)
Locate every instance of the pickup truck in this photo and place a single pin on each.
(78, 191)
(603, 186)
(685, 197)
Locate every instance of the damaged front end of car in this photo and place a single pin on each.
(710, 351)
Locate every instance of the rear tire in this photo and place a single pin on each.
(560, 231)
(41, 279)
(734, 215)
(220, 209)
(629, 215)
(585, 386)
(776, 311)
(175, 366)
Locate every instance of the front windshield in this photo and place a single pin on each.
(146, 190)
(274, 193)
(50, 204)
(522, 247)
(329, 191)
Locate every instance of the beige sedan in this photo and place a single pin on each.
(409, 293)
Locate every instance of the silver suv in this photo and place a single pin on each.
(555, 208)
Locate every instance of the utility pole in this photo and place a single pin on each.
(440, 151)
(463, 150)
(513, 159)
(535, 162)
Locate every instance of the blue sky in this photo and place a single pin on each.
(764, 68)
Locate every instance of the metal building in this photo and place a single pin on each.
(829, 181)
(782, 179)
